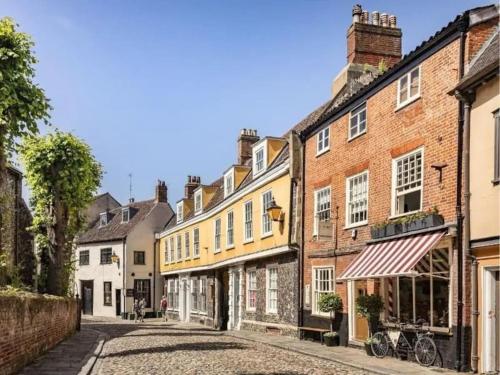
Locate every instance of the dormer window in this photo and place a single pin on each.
(229, 183)
(125, 215)
(180, 212)
(198, 205)
(259, 159)
(103, 221)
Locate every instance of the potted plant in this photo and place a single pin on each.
(368, 346)
(369, 307)
(330, 303)
(378, 230)
(331, 339)
(393, 228)
(422, 220)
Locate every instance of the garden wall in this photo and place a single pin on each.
(31, 324)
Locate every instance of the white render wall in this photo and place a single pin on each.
(100, 273)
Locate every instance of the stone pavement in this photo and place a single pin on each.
(153, 347)
(347, 356)
(76, 355)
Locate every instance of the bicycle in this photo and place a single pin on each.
(423, 348)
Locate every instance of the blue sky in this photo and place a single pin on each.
(160, 89)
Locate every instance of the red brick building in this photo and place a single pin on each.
(384, 155)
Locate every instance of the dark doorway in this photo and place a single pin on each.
(118, 301)
(87, 296)
(225, 300)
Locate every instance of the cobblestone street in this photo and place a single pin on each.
(156, 348)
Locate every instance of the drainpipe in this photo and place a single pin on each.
(124, 290)
(302, 232)
(154, 275)
(459, 217)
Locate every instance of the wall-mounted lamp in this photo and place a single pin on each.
(275, 211)
(439, 167)
(115, 259)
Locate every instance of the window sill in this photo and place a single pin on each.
(251, 310)
(105, 264)
(397, 216)
(355, 137)
(196, 257)
(495, 182)
(266, 235)
(357, 225)
(139, 264)
(217, 251)
(271, 313)
(250, 240)
(230, 247)
(406, 103)
(318, 154)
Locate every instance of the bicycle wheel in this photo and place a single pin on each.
(380, 345)
(425, 351)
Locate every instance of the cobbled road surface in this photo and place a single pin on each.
(171, 348)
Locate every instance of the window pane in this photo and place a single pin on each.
(405, 299)
(423, 298)
(403, 89)
(414, 82)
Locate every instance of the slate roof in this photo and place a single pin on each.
(485, 62)
(328, 109)
(115, 229)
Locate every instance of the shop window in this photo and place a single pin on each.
(142, 290)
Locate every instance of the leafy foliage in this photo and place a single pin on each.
(330, 303)
(22, 102)
(63, 176)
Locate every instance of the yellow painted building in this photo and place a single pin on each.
(226, 261)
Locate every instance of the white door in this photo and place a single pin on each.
(491, 318)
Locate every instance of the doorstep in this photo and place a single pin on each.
(352, 357)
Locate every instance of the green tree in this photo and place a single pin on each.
(22, 103)
(63, 176)
(330, 303)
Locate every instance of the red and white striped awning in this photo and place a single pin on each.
(391, 258)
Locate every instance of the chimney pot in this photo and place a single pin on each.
(192, 183)
(356, 13)
(384, 20)
(392, 21)
(365, 17)
(375, 18)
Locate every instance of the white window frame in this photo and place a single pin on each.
(166, 252)
(249, 271)
(180, 212)
(103, 215)
(322, 138)
(178, 244)
(229, 245)
(127, 211)
(217, 249)
(257, 148)
(171, 246)
(316, 218)
(394, 180)
(268, 280)
(196, 244)
(314, 298)
(198, 201)
(265, 214)
(229, 183)
(247, 239)
(203, 296)
(356, 112)
(187, 245)
(194, 293)
(348, 180)
(408, 100)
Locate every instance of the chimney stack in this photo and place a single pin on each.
(161, 192)
(245, 141)
(192, 183)
(370, 42)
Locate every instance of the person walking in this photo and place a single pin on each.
(137, 310)
(163, 308)
(142, 307)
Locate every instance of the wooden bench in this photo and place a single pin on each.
(321, 332)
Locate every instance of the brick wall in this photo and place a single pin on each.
(31, 325)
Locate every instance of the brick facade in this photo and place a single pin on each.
(32, 325)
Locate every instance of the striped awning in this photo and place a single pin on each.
(391, 258)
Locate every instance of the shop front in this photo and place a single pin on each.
(413, 276)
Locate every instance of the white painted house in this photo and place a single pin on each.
(117, 260)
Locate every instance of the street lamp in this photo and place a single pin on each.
(275, 211)
(115, 259)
